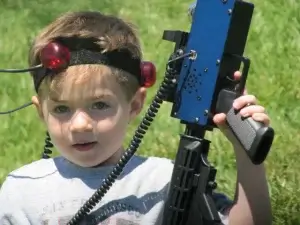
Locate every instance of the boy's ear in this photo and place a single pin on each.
(137, 102)
(37, 103)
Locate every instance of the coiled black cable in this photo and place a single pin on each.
(48, 145)
(161, 94)
(106, 212)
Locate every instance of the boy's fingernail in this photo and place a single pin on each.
(245, 115)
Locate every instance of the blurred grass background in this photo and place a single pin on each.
(273, 47)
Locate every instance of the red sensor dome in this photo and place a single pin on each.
(148, 71)
(55, 56)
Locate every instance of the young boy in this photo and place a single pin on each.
(86, 109)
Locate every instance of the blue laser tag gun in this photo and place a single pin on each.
(203, 85)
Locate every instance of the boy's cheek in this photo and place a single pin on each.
(112, 126)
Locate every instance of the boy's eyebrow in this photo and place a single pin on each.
(92, 97)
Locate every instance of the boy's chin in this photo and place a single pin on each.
(93, 159)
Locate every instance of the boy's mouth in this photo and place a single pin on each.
(84, 146)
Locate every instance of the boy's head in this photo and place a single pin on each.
(87, 106)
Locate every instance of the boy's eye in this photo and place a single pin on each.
(61, 109)
(100, 105)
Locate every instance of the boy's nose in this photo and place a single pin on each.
(81, 122)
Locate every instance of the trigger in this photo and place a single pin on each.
(231, 80)
(235, 84)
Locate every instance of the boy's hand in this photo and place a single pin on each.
(252, 198)
(247, 104)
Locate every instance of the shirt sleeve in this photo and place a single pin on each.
(223, 205)
(11, 212)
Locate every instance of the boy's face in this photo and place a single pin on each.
(87, 118)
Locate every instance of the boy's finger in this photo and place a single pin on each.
(237, 75)
(244, 100)
(261, 117)
(252, 109)
(219, 119)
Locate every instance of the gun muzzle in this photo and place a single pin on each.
(191, 11)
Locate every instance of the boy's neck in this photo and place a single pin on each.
(114, 159)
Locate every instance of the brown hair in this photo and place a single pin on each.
(110, 33)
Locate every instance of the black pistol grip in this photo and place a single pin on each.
(255, 137)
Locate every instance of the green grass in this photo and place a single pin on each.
(273, 46)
